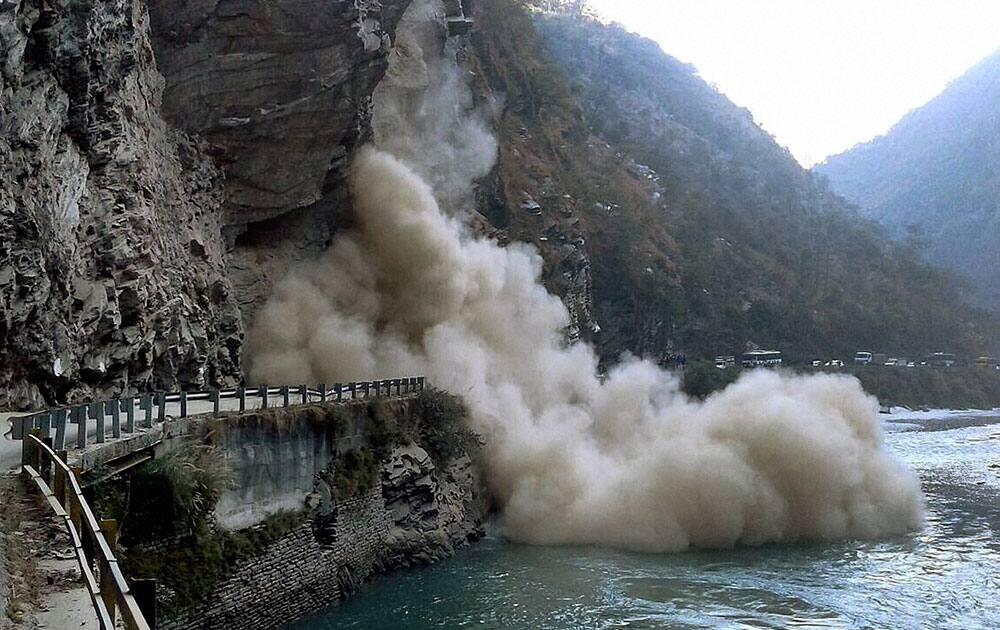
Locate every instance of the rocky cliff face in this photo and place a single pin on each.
(434, 509)
(142, 220)
(282, 97)
(111, 262)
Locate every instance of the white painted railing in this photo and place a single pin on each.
(126, 415)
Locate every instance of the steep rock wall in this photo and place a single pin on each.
(281, 91)
(283, 97)
(111, 259)
(117, 271)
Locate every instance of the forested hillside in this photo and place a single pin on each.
(934, 179)
(703, 235)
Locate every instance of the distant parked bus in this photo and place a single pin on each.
(725, 362)
(941, 359)
(862, 358)
(762, 358)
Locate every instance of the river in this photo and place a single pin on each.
(945, 576)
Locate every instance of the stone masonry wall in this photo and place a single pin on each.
(416, 511)
(297, 574)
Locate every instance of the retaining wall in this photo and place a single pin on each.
(297, 574)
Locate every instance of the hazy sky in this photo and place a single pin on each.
(820, 75)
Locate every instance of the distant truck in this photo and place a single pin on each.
(863, 358)
(761, 358)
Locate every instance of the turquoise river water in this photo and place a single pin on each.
(946, 576)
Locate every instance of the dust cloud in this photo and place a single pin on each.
(629, 461)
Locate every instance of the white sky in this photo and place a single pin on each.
(820, 75)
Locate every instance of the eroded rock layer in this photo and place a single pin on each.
(111, 261)
(117, 272)
(281, 90)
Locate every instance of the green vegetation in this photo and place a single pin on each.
(437, 423)
(190, 568)
(165, 512)
(742, 245)
(703, 378)
(444, 432)
(765, 253)
(165, 508)
(631, 250)
(954, 388)
(168, 497)
(355, 473)
(916, 388)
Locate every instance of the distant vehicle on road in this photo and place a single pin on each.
(862, 358)
(988, 362)
(941, 359)
(725, 362)
(835, 363)
(894, 362)
(817, 363)
(761, 358)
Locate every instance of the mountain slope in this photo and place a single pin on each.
(935, 178)
(721, 240)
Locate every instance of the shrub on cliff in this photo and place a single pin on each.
(172, 495)
(355, 473)
(444, 432)
(702, 379)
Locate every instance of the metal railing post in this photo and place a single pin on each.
(109, 529)
(322, 392)
(44, 423)
(144, 592)
(241, 393)
(75, 512)
(263, 396)
(114, 407)
(161, 406)
(97, 412)
(45, 462)
(59, 479)
(184, 404)
(284, 395)
(214, 395)
(35, 459)
(305, 394)
(80, 413)
(146, 405)
(27, 426)
(129, 415)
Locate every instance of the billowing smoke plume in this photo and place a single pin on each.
(630, 461)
